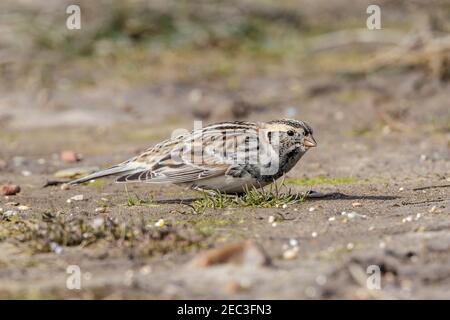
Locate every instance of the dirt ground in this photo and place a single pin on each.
(382, 162)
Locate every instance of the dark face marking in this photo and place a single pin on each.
(292, 154)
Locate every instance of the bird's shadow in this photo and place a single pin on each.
(343, 196)
(314, 196)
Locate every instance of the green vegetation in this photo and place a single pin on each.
(207, 225)
(172, 25)
(48, 232)
(214, 200)
(136, 200)
(251, 198)
(144, 41)
(272, 197)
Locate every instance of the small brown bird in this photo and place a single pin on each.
(227, 156)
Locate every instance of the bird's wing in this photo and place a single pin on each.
(173, 175)
(202, 154)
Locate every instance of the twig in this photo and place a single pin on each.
(176, 201)
(52, 183)
(432, 187)
(404, 203)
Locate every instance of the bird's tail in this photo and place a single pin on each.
(125, 168)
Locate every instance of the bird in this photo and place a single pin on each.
(229, 157)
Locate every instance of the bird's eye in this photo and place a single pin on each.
(290, 133)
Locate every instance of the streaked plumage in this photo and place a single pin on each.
(227, 156)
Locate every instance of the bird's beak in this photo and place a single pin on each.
(309, 141)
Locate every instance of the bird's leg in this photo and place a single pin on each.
(213, 193)
(314, 194)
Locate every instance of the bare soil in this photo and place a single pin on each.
(399, 177)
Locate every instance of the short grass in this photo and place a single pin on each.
(207, 225)
(48, 231)
(268, 198)
(136, 200)
(274, 196)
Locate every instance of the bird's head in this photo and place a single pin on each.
(291, 133)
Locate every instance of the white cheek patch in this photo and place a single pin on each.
(269, 157)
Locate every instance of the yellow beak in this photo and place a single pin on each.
(309, 141)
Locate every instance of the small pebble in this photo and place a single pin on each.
(314, 234)
(10, 189)
(23, 208)
(244, 253)
(69, 156)
(274, 224)
(356, 204)
(284, 206)
(382, 245)
(353, 215)
(160, 223)
(293, 242)
(65, 186)
(97, 222)
(78, 197)
(145, 270)
(56, 248)
(386, 130)
(26, 173)
(331, 218)
(311, 209)
(401, 189)
(407, 219)
(100, 210)
(10, 213)
(290, 254)
(350, 246)
(434, 209)
(271, 219)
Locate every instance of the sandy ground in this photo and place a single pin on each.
(392, 182)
